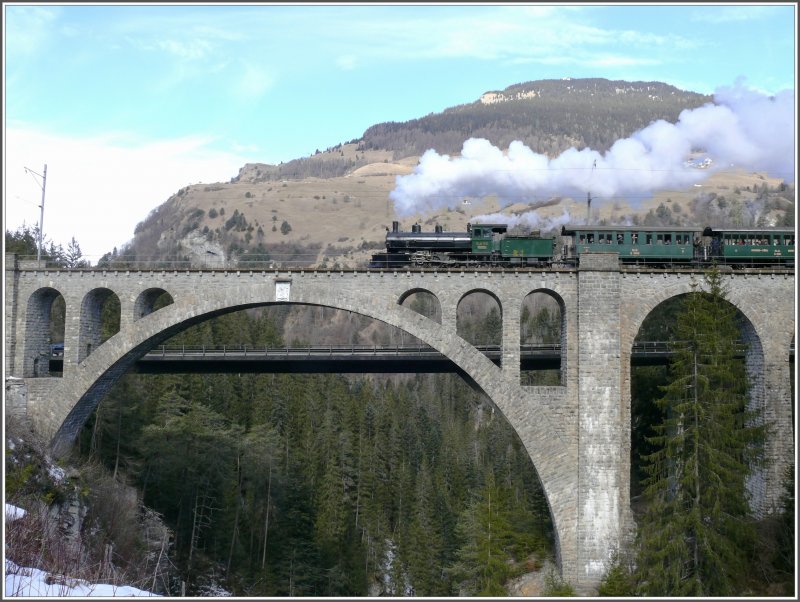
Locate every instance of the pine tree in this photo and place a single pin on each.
(487, 534)
(73, 256)
(697, 529)
(24, 241)
(425, 540)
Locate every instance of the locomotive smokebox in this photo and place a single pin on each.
(395, 226)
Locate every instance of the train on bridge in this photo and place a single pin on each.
(498, 245)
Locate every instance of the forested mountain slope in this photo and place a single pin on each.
(549, 116)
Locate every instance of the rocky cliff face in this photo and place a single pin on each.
(204, 253)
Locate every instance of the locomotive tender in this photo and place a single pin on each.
(497, 245)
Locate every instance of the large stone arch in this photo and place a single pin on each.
(765, 337)
(92, 377)
(37, 330)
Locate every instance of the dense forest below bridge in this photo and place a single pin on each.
(326, 485)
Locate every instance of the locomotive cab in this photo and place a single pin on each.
(486, 238)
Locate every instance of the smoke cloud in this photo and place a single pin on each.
(529, 220)
(742, 128)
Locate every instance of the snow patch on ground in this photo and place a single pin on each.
(22, 581)
(29, 582)
(56, 473)
(13, 513)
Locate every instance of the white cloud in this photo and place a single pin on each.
(28, 28)
(99, 188)
(253, 82)
(611, 60)
(195, 49)
(732, 14)
(346, 62)
(515, 35)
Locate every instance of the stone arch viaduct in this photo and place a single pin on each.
(577, 434)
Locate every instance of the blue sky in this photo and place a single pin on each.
(141, 100)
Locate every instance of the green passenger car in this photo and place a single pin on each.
(754, 246)
(634, 244)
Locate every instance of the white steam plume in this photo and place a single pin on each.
(743, 128)
(529, 220)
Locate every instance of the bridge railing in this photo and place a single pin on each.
(316, 350)
(526, 349)
(639, 347)
(238, 351)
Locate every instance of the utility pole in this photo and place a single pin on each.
(589, 196)
(588, 207)
(42, 175)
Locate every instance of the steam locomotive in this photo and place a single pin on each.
(497, 245)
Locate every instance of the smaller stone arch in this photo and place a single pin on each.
(543, 320)
(479, 319)
(41, 331)
(423, 302)
(99, 320)
(149, 301)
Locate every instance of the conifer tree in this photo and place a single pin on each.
(483, 565)
(425, 540)
(73, 256)
(696, 530)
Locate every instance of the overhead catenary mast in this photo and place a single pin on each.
(42, 175)
(588, 207)
(589, 197)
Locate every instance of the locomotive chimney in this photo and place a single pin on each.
(438, 229)
(416, 228)
(395, 226)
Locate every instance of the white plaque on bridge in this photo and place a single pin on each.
(282, 291)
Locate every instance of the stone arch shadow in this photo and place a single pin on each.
(95, 375)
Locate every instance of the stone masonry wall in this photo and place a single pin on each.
(578, 434)
(603, 486)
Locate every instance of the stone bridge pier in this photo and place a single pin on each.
(577, 433)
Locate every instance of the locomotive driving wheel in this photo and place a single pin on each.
(420, 258)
